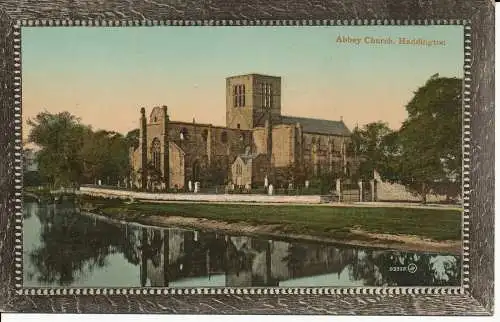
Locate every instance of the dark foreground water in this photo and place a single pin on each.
(65, 248)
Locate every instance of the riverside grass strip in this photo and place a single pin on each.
(335, 222)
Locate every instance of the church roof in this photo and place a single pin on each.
(320, 126)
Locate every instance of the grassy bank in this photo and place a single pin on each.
(321, 221)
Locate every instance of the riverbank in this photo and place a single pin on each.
(431, 230)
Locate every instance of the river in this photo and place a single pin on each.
(65, 248)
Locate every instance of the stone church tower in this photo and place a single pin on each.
(249, 98)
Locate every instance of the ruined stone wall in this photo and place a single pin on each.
(135, 158)
(205, 145)
(283, 145)
(387, 191)
(259, 140)
(176, 166)
(176, 169)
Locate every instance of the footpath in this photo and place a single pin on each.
(250, 199)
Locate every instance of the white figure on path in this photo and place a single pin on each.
(338, 189)
(307, 184)
(270, 190)
(190, 186)
(196, 187)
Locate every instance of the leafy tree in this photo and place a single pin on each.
(216, 173)
(296, 174)
(72, 153)
(427, 151)
(132, 138)
(369, 144)
(32, 179)
(61, 138)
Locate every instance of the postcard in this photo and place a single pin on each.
(239, 161)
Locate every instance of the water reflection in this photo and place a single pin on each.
(65, 248)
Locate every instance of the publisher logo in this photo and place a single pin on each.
(412, 268)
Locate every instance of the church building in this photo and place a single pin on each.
(258, 141)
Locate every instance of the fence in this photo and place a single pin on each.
(356, 192)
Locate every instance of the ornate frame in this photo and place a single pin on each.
(475, 298)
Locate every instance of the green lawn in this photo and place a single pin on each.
(332, 222)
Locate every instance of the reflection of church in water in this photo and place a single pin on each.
(172, 257)
(257, 140)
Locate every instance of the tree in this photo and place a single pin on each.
(296, 174)
(60, 137)
(427, 151)
(132, 138)
(72, 153)
(369, 144)
(215, 173)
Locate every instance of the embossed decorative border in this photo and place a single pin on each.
(476, 295)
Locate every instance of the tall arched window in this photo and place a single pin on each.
(266, 95)
(156, 153)
(223, 137)
(204, 134)
(184, 135)
(239, 95)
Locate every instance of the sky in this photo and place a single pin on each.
(105, 75)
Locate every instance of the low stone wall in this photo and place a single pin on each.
(387, 191)
(123, 194)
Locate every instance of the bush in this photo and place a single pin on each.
(32, 179)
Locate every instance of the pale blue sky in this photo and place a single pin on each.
(104, 75)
